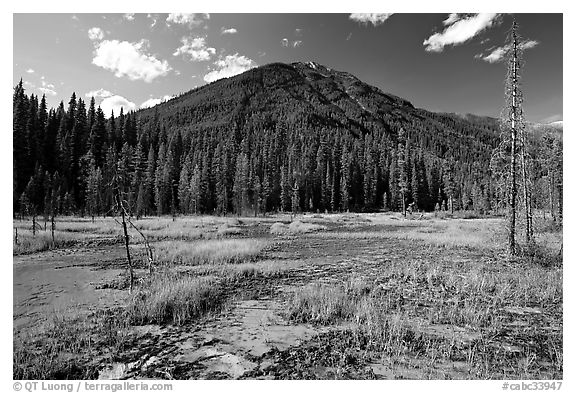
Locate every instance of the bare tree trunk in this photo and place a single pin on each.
(526, 188)
(52, 228)
(513, 188)
(551, 193)
(126, 241)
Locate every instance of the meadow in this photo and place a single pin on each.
(323, 296)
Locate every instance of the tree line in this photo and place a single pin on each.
(69, 159)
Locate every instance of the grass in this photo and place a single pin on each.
(64, 346)
(404, 312)
(210, 251)
(294, 228)
(174, 299)
(42, 241)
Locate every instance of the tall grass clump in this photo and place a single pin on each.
(324, 304)
(42, 241)
(211, 251)
(169, 298)
(295, 228)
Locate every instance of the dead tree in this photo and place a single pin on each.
(122, 212)
(518, 122)
(149, 249)
(511, 121)
(295, 199)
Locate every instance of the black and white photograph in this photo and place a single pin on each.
(287, 196)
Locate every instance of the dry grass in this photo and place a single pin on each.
(210, 251)
(176, 299)
(226, 230)
(42, 241)
(397, 314)
(237, 271)
(295, 228)
(64, 346)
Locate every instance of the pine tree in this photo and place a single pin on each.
(402, 168)
(98, 138)
(449, 182)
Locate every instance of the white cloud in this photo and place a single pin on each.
(100, 93)
(195, 48)
(460, 30)
(114, 103)
(47, 90)
(375, 19)
(451, 19)
(154, 19)
(286, 43)
(129, 59)
(149, 103)
(46, 84)
(231, 30)
(192, 20)
(229, 66)
(298, 32)
(498, 54)
(30, 71)
(528, 44)
(95, 34)
(129, 16)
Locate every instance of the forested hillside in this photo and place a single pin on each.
(290, 137)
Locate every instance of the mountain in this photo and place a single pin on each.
(299, 136)
(319, 97)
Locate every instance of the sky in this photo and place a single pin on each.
(439, 62)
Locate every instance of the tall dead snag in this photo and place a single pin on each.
(505, 160)
(122, 212)
(517, 99)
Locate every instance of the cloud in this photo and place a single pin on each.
(149, 103)
(195, 48)
(129, 59)
(100, 93)
(128, 16)
(348, 37)
(30, 71)
(114, 103)
(231, 30)
(451, 19)
(298, 32)
(286, 43)
(229, 66)
(460, 29)
(95, 34)
(154, 19)
(375, 19)
(497, 55)
(47, 90)
(528, 44)
(192, 20)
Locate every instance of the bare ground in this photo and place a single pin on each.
(253, 336)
